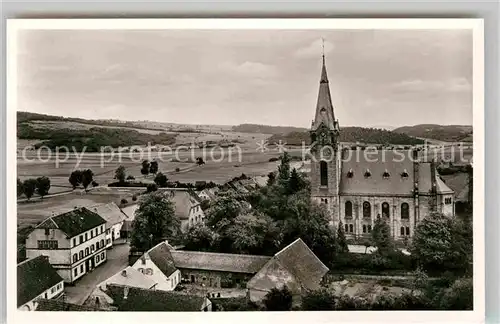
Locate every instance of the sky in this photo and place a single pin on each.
(378, 78)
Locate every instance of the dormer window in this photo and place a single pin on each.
(350, 173)
(404, 174)
(386, 174)
(368, 173)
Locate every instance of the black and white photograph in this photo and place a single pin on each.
(247, 165)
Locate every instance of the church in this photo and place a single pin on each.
(358, 186)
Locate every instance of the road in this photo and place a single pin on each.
(117, 260)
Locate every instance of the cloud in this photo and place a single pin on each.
(314, 49)
(250, 69)
(419, 85)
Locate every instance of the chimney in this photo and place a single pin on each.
(124, 273)
(125, 292)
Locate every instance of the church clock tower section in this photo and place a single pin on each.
(325, 151)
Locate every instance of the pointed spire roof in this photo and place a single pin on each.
(324, 106)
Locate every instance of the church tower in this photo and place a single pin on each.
(325, 150)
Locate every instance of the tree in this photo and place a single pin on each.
(441, 244)
(271, 178)
(247, 233)
(421, 280)
(87, 178)
(161, 180)
(381, 236)
(120, 174)
(205, 204)
(145, 168)
(29, 187)
(318, 300)
(278, 299)
(200, 238)
(20, 188)
(153, 167)
(460, 296)
(224, 208)
(341, 239)
(151, 187)
(295, 183)
(199, 161)
(42, 186)
(284, 169)
(75, 178)
(155, 222)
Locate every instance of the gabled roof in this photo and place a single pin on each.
(183, 202)
(161, 257)
(302, 263)
(129, 211)
(378, 162)
(154, 300)
(74, 222)
(295, 266)
(129, 277)
(50, 305)
(110, 212)
(239, 263)
(34, 276)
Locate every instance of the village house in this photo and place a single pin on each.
(295, 266)
(37, 279)
(74, 242)
(114, 220)
(208, 194)
(50, 305)
(123, 298)
(187, 208)
(158, 264)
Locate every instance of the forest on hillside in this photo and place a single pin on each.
(352, 135)
(446, 133)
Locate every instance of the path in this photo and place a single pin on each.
(117, 259)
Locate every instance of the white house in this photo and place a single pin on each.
(187, 208)
(37, 279)
(157, 264)
(74, 242)
(114, 220)
(207, 194)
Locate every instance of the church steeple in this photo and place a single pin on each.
(324, 106)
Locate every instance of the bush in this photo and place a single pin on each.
(95, 184)
(151, 187)
(273, 159)
(130, 177)
(134, 197)
(177, 169)
(124, 201)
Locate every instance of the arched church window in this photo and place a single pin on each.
(364, 228)
(323, 170)
(405, 211)
(385, 210)
(346, 228)
(367, 173)
(402, 231)
(350, 173)
(348, 209)
(313, 138)
(367, 209)
(351, 228)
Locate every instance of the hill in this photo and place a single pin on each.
(446, 133)
(266, 129)
(353, 135)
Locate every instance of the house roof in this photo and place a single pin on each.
(74, 222)
(378, 162)
(239, 263)
(50, 305)
(34, 276)
(154, 300)
(110, 212)
(129, 211)
(302, 263)
(209, 193)
(183, 202)
(161, 257)
(129, 277)
(298, 261)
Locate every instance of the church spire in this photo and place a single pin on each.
(324, 106)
